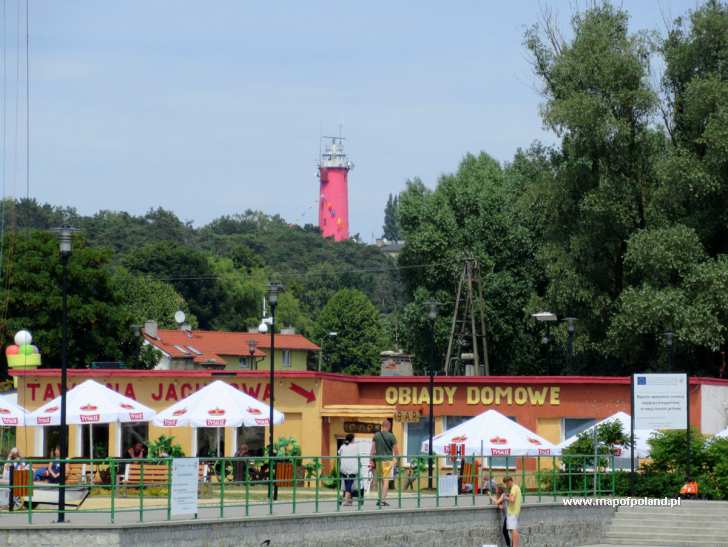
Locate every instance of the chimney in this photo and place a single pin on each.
(150, 328)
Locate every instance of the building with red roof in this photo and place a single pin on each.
(187, 349)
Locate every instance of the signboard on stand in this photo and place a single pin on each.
(660, 401)
(184, 486)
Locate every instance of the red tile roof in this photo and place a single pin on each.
(209, 346)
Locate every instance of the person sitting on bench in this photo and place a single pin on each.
(52, 472)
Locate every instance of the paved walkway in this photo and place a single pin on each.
(95, 511)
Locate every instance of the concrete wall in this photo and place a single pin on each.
(544, 525)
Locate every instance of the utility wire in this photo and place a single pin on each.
(299, 274)
(27, 99)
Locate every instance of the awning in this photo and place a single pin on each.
(358, 411)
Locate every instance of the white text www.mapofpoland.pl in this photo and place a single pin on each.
(621, 502)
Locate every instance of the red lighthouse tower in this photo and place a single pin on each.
(334, 191)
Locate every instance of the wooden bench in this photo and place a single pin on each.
(154, 474)
(77, 486)
(470, 474)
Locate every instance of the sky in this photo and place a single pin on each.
(212, 108)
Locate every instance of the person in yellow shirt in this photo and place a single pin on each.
(514, 509)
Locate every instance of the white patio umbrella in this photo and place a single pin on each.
(722, 434)
(492, 434)
(91, 403)
(217, 405)
(641, 436)
(11, 414)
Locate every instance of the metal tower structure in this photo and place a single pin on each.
(467, 348)
(334, 170)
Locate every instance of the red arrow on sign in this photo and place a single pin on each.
(310, 396)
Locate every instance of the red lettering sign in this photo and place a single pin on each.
(48, 393)
(158, 395)
(544, 451)
(169, 423)
(32, 388)
(136, 416)
(129, 391)
(171, 393)
(89, 418)
(185, 390)
(215, 423)
(261, 421)
(43, 420)
(500, 451)
(10, 421)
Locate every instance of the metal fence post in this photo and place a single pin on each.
(293, 505)
(523, 478)
(399, 482)
(221, 479)
(112, 469)
(317, 461)
(169, 489)
(141, 491)
(246, 478)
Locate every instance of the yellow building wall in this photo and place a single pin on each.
(299, 360)
(298, 398)
(549, 429)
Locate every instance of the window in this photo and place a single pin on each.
(454, 421)
(254, 437)
(245, 363)
(207, 439)
(100, 438)
(416, 433)
(131, 434)
(574, 426)
(51, 440)
(286, 357)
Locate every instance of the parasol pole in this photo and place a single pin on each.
(91, 448)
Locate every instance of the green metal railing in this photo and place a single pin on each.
(140, 490)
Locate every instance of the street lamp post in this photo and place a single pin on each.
(546, 317)
(273, 290)
(252, 345)
(321, 350)
(571, 329)
(668, 340)
(431, 315)
(65, 241)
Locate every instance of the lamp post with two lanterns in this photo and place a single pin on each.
(272, 293)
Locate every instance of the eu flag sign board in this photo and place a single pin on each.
(184, 486)
(660, 401)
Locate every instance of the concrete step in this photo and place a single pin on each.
(622, 543)
(657, 529)
(707, 510)
(681, 521)
(668, 538)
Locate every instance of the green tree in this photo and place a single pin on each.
(391, 230)
(31, 298)
(356, 347)
(468, 215)
(694, 170)
(144, 298)
(188, 271)
(601, 106)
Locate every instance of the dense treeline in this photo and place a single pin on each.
(623, 224)
(126, 269)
